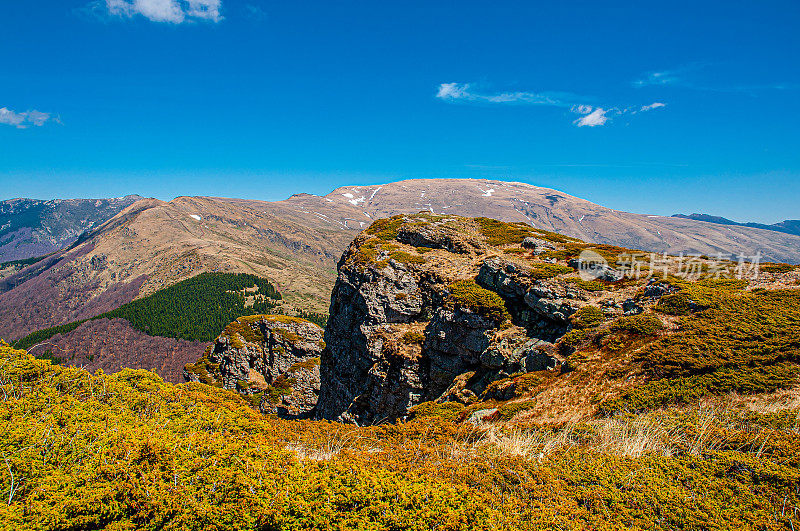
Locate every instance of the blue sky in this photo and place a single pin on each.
(641, 106)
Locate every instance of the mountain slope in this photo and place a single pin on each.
(789, 226)
(33, 227)
(153, 244)
(556, 211)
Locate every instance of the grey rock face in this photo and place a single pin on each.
(630, 307)
(275, 355)
(304, 380)
(457, 341)
(542, 308)
(354, 366)
(370, 375)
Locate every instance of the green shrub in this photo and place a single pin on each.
(467, 294)
(406, 258)
(412, 336)
(500, 233)
(446, 411)
(588, 285)
(675, 304)
(645, 324)
(772, 267)
(386, 229)
(587, 317)
(541, 271)
(685, 390)
(573, 338)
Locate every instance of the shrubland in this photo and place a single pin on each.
(128, 451)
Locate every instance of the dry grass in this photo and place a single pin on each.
(329, 444)
(663, 433)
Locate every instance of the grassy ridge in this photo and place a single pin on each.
(734, 340)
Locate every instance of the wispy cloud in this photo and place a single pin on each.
(591, 116)
(665, 77)
(684, 77)
(652, 106)
(171, 11)
(23, 120)
(454, 92)
(255, 12)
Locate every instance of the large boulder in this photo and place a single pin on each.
(273, 360)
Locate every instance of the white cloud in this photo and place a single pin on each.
(173, 11)
(581, 109)
(23, 120)
(652, 106)
(594, 118)
(464, 92)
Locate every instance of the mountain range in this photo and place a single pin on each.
(151, 244)
(33, 227)
(789, 226)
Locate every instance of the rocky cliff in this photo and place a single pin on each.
(437, 308)
(273, 360)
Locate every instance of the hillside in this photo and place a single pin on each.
(152, 245)
(160, 332)
(32, 227)
(127, 451)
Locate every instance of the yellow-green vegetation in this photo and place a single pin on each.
(743, 341)
(645, 324)
(572, 249)
(514, 250)
(241, 328)
(386, 229)
(588, 285)
(468, 294)
(587, 317)
(773, 267)
(204, 369)
(128, 451)
(413, 336)
(307, 364)
(543, 270)
(447, 411)
(406, 258)
(500, 233)
(675, 304)
(282, 385)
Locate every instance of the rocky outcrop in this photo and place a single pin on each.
(273, 360)
(425, 309)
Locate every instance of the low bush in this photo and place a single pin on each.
(541, 271)
(645, 324)
(467, 294)
(587, 317)
(128, 451)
